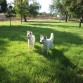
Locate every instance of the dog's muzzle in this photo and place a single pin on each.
(41, 42)
(27, 37)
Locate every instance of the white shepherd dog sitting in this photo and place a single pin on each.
(47, 43)
(31, 39)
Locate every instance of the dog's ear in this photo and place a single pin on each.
(45, 37)
(28, 31)
(41, 36)
(31, 32)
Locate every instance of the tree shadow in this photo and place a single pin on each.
(54, 24)
(56, 54)
(4, 75)
(68, 71)
(67, 37)
(65, 72)
(3, 45)
(44, 21)
(51, 25)
(65, 62)
(18, 33)
(7, 77)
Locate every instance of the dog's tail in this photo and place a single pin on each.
(52, 36)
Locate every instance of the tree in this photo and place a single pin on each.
(33, 9)
(21, 7)
(62, 7)
(76, 8)
(72, 8)
(25, 9)
(3, 6)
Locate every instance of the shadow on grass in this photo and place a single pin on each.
(54, 24)
(51, 25)
(56, 54)
(65, 62)
(4, 75)
(3, 45)
(42, 21)
(18, 33)
(65, 72)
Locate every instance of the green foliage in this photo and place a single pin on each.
(10, 11)
(76, 7)
(72, 8)
(3, 5)
(33, 9)
(23, 8)
(64, 64)
(62, 7)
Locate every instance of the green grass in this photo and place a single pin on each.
(64, 64)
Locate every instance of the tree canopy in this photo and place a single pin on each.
(76, 8)
(25, 9)
(3, 6)
(33, 9)
(72, 8)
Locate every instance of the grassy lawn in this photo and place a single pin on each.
(64, 64)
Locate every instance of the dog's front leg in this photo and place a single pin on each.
(42, 48)
(52, 46)
(47, 51)
(33, 47)
(28, 45)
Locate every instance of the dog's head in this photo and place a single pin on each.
(29, 34)
(42, 39)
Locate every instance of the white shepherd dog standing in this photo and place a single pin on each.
(47, 43)
(31, 40)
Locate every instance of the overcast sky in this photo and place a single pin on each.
(43, 3)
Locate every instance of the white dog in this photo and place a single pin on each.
(31, 39)
(47, 43)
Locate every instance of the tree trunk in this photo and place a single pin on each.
(21, 10)
(21, 18)
(10, 20)
(81, 21)
(66, 17)
(80, 24)
(25, 20)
